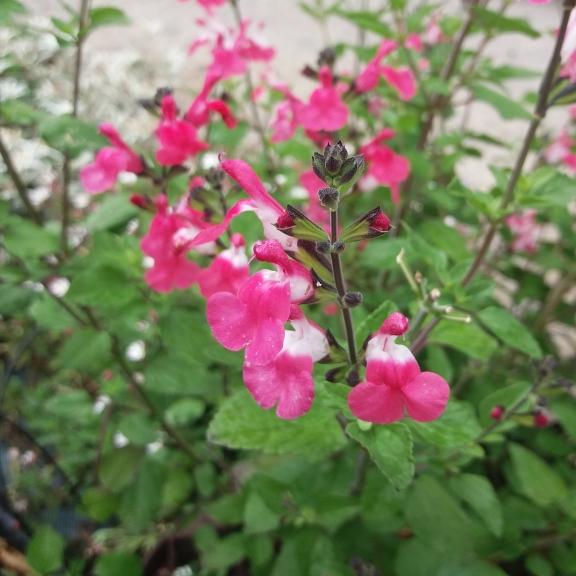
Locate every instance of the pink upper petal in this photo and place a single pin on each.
(426, 396)
(402, 80)
(266, 342)
(230, 320)
(376, 403)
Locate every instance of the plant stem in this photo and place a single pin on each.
(539, 114)
(360, 473)
(258, 124)
(341, 288)
(66, 172)
(18, 183)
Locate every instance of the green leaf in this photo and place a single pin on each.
(504, 397)
(456, 427)
(477, 492)
(49, 315)
(14, 299)
(138, 428)
(99, 503)
(86, 350)
(492, 21)
(118, 564)
(507, 107)
(536, 479)
(258, 517)
(185, 411)
(565, 410)
(373, 321)
(242, 424)
(467, 338)
(225, 553)
(19, 113)
(71, 136)
(120, 466)
(46, 550)
(112, 212)
(26, 240)
(107, 16)
(366, 21)
(390, 447)
(512, 332)
(9, 9)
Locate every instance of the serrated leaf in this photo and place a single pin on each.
(511, 331)
(390, 447)
(242, 424)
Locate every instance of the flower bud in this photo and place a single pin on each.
(324, 246)
(327, 57)
(373, 224)
(352, 299)
(318, 165)
(352, 167)
(329, 198)
(497, 412)
(294, 223)
(338, 246)
(334, 157)
(541, 419)
(142, 201)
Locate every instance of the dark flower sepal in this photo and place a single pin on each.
(371, 225)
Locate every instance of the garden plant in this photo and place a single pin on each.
(279, 331)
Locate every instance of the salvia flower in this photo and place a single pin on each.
(394, 386)
(286, 382)
(102, 174)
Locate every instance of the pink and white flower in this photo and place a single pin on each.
(286, 382)
(394, 386)
(102, 174)
(525, 230)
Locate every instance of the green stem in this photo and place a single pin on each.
(341, 288)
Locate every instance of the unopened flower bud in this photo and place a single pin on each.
(324, 247)
(353, 378)
(351, 167)
(142, 201)
(541, 419)
(334, 157)
(329, 198)
(352, 299)
(327, 57)
(497, 412)
(434, 294)
(338, 246)
(371, 225)
(285, 221)
(318, 165)
(296, 224)
(214, 177)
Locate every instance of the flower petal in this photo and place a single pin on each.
(426, 396)
(376, 403)
(267, 341)
(229, 320)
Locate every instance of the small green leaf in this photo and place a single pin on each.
(71, 136)
(366, 21)
(25, 240)
(19, 113)
(390, 447)
(492, 21)
(112, 212)
(466, 338)
(119, 467)
(86, 350)
(9, 9)
(512, 332)
(118, 564)
(507, 107)
(242, 424)
(537, 480)
(258, 517)
(107, 16)
(46, 550)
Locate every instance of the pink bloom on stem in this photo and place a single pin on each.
(101, 175)
(300, 278)
(325, 110)
(167, 243)
(287, 382)
(285, 120)
(433, 34)
(539, 1)
(178, 138)
(199, 112)
(525, 230)
(227, 272)
(370, 76)
(254, 318)
(209, 4)
(414, 42)
(568, 51)
(559, 148)
(402, 80)
(394, 386)
(384, 165)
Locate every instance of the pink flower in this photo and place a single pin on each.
(325, 110)
(285, 120)
(402, 80)
(394, 385)
(434, 34)
(560, 148)
(525, 230)
(384, 165)
(178, 138)
(267, 208)
(568, 52)
(254, 318)
(102, 174)
(199, 112)
(299, 277)
(414, 42)
(287, 382)
(167, 243)
(227, 272)
(209, 4)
